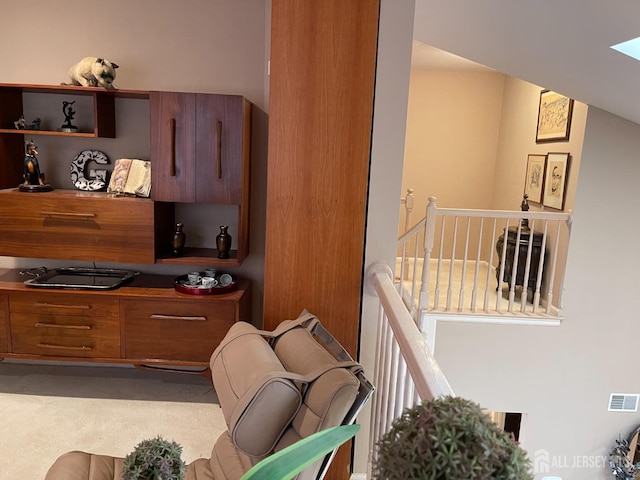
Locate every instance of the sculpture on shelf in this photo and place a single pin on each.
(20, 124)
(33, 178)
(69, 113)
(524, 206)
(93, 72)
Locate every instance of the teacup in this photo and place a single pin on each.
(225, 279)
(210, 272)
(194, 278)
(209, 282)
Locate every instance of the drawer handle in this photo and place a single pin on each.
(219, 159)
(62, 347)
(172, 136)
(178, 317)
(54, 305)
(67, 215)
(70, 327)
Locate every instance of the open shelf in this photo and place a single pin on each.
(200, 256)
(49, 132)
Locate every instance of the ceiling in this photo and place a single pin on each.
(560, 45)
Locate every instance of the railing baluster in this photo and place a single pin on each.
(490, 267)
(463, 274)
(474, 290)
(541, 266)
(451, 263)
(503, 257)
(514, 267)
(553, 270)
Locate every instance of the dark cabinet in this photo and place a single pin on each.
(199, 147)
(517, 251)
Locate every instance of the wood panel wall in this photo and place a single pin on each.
(323, 58)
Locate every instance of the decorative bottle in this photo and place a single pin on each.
(223, 242)
(178, 240)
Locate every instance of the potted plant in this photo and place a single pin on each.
(154, 459)
(620, 460)
(449, 438)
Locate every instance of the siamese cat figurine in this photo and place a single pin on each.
(93, 72)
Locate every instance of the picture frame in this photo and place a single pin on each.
(555, 180)
(534, 179)
(554, 117)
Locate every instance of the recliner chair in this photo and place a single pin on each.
(274, 389)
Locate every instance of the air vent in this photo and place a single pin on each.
(623, 402)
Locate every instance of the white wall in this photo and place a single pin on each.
(387, 151)
(211, 46)
(453, 126)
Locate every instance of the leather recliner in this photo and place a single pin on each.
(274, 388)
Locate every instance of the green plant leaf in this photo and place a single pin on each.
(290, 461)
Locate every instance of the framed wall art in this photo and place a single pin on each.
(534, 180)
(554, 117)
(555, 180)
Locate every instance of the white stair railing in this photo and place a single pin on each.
(405, 370)
(464, 250)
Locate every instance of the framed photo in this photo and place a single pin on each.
(555, 180)
(554, 117)
(534, 180)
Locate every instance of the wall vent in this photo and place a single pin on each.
(623, 402)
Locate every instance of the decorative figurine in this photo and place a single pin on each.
(93, 72)
(33, 178)
(69, 113)
(97, 179)
(20, 124)
(524, 206)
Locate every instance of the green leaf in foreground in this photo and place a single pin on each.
(290, 461)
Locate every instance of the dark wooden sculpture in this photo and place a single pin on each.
(33, 177)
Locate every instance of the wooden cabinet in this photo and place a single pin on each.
(199, 147)
(60, 324)
(200, 153)
(519, 255)
(77, 225)
(144, 323)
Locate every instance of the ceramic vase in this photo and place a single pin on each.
(179, 238)
(223, 242)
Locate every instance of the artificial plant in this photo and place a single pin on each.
(449, 438)
(154, 459)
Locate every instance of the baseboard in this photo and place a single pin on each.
(358, 476)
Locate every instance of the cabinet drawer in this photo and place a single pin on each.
(84, 336)
(77, 225)
(63, 304)
(175, 330)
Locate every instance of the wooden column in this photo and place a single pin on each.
(323, 59)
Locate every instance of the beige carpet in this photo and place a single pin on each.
(46, 410)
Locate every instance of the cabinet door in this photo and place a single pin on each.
(173, 153)
(221, 145)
